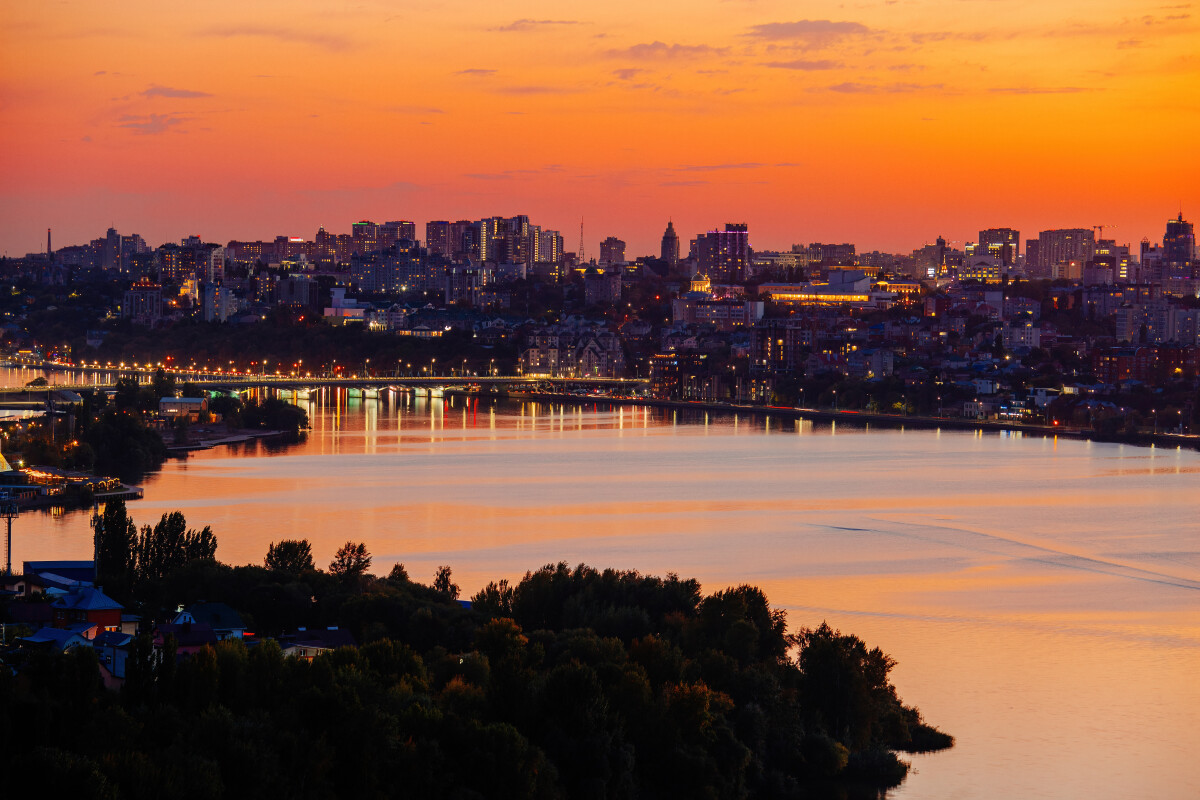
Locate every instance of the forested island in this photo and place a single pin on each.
(123, 435)
(574, 683)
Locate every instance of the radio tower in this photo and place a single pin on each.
(582, 260)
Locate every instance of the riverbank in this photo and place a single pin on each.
(865, 418)
(210, 439)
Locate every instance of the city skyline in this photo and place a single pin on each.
(1005, 244)
(886, 126)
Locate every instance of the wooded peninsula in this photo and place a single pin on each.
(574, 683)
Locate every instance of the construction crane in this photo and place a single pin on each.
(1100, 230)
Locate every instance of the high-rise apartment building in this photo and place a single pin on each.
(549, 247)
(1179, 242)
(723, 255)
(1063, 252)
(1002, 244)
(1033, 256)
(365, 235)
(112, 251)
(612, 251)
(437, 238)
(395, 231)
(670, 245)
(465, 237)
(1109, 252)
(491, 238)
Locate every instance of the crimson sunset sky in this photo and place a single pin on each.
(881, 123)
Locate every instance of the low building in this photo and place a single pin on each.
(190, 407)
(86, 604)
(143, 303)
(307, 644)
(189, 638)
(223, 620)
(59, 639)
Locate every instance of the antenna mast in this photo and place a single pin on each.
(582, 259)
(9, 511)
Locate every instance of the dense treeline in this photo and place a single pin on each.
(116, 437)
(269, 414)
(573, 683)
(130, 562)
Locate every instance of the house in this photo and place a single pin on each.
(112, 650)
(189, 638)
(57, 639)
(308, 644)
(190, 408)
(60, 576)
(224, 621)
(87, 604)
(21, 585)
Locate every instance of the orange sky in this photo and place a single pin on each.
(881, 123)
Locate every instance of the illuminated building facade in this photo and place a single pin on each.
(1002, 244)
(670, 245)
(1179, 242)
(723, 255)
(437, 238)
(1062, 253)
(612, 251)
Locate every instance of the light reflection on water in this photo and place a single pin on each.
(1041, 596)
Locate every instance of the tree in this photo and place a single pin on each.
(844, 686)
(115, 539)
(292, 556)
(351, 560)
(444, 585)
(169, 545)
(163, 384)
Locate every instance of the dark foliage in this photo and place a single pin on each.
(132, 564)
(575, 683)
(291, 556)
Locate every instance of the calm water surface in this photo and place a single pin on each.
(1042, 597)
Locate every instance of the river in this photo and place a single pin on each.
(1041, 596)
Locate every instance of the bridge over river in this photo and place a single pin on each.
(89, 378)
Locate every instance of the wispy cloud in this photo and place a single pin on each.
(717, 167)
(683, 183)
(167, 91)
(328, 41)
(414, 110)
(650, 51)
(509, 174)
(147, 124)
(730, 166)
(804, 64)
(1042, 89)
(628, 74)
(942, 36)
(808, 33)
(521, 25)
(477, 72)
(851, 87)
(536, 90)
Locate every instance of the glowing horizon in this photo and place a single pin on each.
(885, 124)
